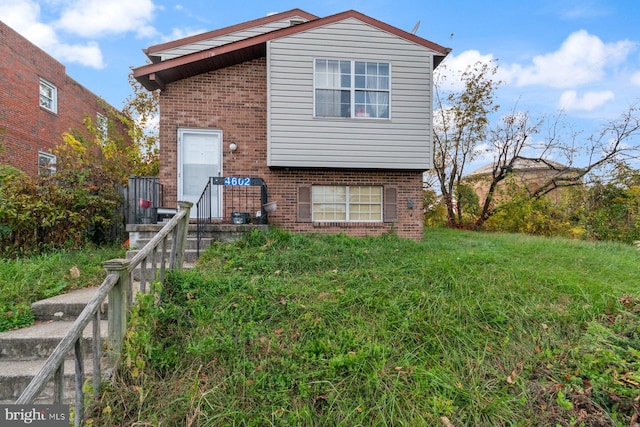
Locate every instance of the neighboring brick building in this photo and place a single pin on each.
(527, 175)
(334, 114)
(38, 102)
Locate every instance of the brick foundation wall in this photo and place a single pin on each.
(234, 100)
(25, 127)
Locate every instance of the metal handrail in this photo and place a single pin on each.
(145, 194)
(118, 287)
(204, 203)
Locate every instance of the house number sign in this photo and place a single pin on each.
(234, 181)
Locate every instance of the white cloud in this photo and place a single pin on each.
(24, 17)
(180, 33)
(635, 79)
(570, 101)
(581, 59)
(95, 18)
(448, 73)
(582, 9)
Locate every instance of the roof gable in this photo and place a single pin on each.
(156, 52)
(156, 75)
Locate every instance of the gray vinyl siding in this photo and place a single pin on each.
(227, 38)
(297, 139)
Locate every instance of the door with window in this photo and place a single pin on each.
(199, 157)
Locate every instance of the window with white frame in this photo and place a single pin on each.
(48, 96)
(346, 203)
(102, 127)
(352, 89)
(46, 163)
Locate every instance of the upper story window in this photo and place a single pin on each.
(352, 89)
(48, 96)
(102, 127)
(46, 164)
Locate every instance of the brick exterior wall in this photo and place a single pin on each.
(234, 100)
(25, 127)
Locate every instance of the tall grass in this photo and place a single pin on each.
(475, 329)
(26, 280)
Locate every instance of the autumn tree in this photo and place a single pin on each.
(463, 131)
(460, 125)
(512, 139)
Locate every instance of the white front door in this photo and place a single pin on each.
(199, 157)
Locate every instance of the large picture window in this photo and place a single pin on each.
(352, 89)
(346, 203)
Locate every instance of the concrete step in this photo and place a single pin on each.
(192, 243)
(15, 376)
(39, 341)
(190, 257)
(66, 306)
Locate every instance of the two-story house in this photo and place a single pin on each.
(38, 102)
(334, 114)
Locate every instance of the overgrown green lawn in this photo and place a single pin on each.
(26, 280)
(462, 328)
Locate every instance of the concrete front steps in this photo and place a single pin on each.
(24, 351)
(141, 234)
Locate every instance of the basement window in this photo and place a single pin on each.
(347, 203)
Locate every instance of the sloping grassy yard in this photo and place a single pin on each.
(29, 279)
(460, 329)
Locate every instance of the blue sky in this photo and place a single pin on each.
(581, 56)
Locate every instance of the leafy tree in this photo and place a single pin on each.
(462, 131)
(460, 124)
(81, 201)
(141, 116)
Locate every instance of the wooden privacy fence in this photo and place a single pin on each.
(164, 251)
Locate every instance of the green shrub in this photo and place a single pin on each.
(41, 214)
(522, 214)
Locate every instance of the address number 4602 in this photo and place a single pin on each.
(237, 181)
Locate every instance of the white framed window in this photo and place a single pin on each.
(102, 127)
(46, 163)
(352, 89)
(48, 96)
(346, 203)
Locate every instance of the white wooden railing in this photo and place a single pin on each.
(164, 252)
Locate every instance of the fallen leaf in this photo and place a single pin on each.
(446, 422)
(75, 272)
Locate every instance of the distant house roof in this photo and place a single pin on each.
(521, 164)
(159, 73)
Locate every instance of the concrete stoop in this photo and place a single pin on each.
(141, 234)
